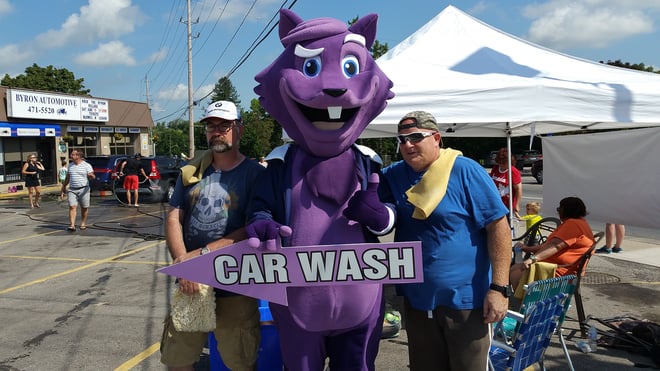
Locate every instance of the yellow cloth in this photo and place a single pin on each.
(537, 271)
(192, 172)
(427, 194)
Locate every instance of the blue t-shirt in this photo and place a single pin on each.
(454, 245)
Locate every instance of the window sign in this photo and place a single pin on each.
(91, 129)
(74, 129)
(106, 129)
(134, 130)
(121, 130)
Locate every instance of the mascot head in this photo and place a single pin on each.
(325, 87)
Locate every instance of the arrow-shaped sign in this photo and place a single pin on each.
(266, 274)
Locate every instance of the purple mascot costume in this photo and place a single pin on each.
(323, 89)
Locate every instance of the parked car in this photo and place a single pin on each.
(527, 158)
(162, 172)
(104, 167)
(537, 171)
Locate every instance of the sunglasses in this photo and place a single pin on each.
(413, 137)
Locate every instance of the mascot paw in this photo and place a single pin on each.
(365, 207)
(267, 231)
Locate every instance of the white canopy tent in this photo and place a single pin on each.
(481, 82)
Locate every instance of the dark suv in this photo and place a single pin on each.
(104, 167)
(537, 171)
(162, 172)
(527, 158)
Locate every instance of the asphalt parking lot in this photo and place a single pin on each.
(91, 300)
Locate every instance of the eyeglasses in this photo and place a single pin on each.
(222, 128)
(413, 138)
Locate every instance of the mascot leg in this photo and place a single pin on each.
(353, 349)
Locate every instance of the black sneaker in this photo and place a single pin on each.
(617, 249)
(604, 250)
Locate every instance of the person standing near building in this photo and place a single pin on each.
(131, 169)
(449, 203)
(61, 174)
(30, 171)
(208, 211)
(500, 175)
(77, 178)
(613, 233)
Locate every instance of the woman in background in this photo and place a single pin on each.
(31, 170)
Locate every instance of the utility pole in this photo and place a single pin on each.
(191, 128)
(151, 131)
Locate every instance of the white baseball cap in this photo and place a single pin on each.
(221, 109)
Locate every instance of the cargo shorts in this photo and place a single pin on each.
(237, 333)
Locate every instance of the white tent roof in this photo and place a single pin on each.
(475, 78)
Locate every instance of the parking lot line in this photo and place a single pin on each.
(139, 358)
(73, 270)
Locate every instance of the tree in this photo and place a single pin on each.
(58, 80)
(171, 139)
(225, 90)
(261, 133)
(635, 66)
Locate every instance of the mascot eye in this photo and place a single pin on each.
(312, 67)
(350, 66)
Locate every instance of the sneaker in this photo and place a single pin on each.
(391, 325)
(617, 249)
(136, 205)
(604, 250)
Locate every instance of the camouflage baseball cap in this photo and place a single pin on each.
(423, 120)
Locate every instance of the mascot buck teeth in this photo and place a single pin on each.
(323, 89)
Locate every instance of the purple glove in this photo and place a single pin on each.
(365, 207)
(266, 230)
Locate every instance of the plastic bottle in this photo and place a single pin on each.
(592, 338)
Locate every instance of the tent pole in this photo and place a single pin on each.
(508, 149)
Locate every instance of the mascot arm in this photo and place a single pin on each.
(366, 208)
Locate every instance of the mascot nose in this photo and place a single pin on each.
(334, 92)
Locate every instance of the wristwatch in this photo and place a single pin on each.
(507, 290)
(204, 250)
(533, 258)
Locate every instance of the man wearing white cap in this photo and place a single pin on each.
(208, 212)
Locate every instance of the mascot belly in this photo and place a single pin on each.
(324, 89)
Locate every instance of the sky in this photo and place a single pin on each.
(136, 50)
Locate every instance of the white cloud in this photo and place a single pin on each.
(108, 54)
(178, 92)
(5, 7)
(101, 19)
(158, 56)
(14, 55)
(203, 90)
(562, 24)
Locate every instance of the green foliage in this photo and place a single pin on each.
(58, 80)
(632, 66)
(171, 139)
(258, 132)
(225, 90)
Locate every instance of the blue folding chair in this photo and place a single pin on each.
(535, 292)
(532, 337)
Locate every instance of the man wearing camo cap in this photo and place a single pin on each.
(448, 202)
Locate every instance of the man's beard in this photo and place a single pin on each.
(220, 147)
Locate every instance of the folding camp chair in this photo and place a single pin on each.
(579, 268)
(536, 292)
(532, 337)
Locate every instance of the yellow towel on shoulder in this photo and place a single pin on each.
(537, 271)
(193, 171)
(427, 194)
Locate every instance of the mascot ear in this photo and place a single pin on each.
(288, 21)
(365, 26)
